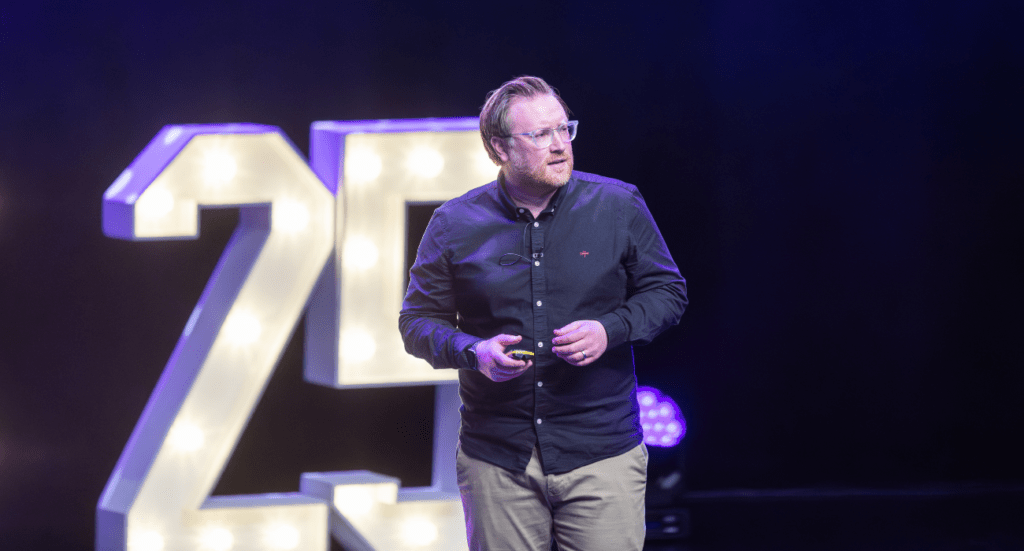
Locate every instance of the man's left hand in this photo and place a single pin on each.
(581, 342)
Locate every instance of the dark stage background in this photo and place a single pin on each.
(840, 183)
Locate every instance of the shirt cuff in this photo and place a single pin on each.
(468, 360)
(471, 358)
(614, 328)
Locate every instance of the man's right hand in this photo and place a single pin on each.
(492, 361)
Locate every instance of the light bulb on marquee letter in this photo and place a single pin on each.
(360, 253)
(425, 162)
(418, 532)
(242, 328)
(362, 165)
(290, 216)
(219, 167)
(216, 539)
(282, 536)
(357, 345)
(187, 437)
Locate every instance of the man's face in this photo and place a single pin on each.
(526, 165)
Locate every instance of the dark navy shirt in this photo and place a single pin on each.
(485, 267)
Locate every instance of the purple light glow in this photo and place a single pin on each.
(660, 417)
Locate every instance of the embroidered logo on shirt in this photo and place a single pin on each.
(584, 254)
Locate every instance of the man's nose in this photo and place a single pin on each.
(557, 142)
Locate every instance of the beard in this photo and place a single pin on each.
(542, 178)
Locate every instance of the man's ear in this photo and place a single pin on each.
(500, 147)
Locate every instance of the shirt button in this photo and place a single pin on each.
(540, 344)
(536, 224)
(539, 421)
(536, 263)
(540, 383)
(539, 303)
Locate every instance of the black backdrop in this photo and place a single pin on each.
(839, 182)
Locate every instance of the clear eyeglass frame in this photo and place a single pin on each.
(543, 137)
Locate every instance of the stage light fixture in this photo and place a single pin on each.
(660, 417)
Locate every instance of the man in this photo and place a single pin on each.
(535, 286)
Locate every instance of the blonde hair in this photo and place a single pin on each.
(494, 114)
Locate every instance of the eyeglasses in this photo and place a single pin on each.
(542, 138)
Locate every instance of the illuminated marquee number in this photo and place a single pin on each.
(352, 337)
(158, 496)
(377, 168)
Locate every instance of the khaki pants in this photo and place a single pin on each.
(597, 507)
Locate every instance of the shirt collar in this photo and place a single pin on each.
(513, 210)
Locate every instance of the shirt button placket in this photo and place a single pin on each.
(540, 322)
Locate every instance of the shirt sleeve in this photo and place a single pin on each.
(429, 319)
(656, 292)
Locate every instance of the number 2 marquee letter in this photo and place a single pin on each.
(156, 500)
(279, 259)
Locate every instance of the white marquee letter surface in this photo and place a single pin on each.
(278, 260)
(158, 496)
(378, 168)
